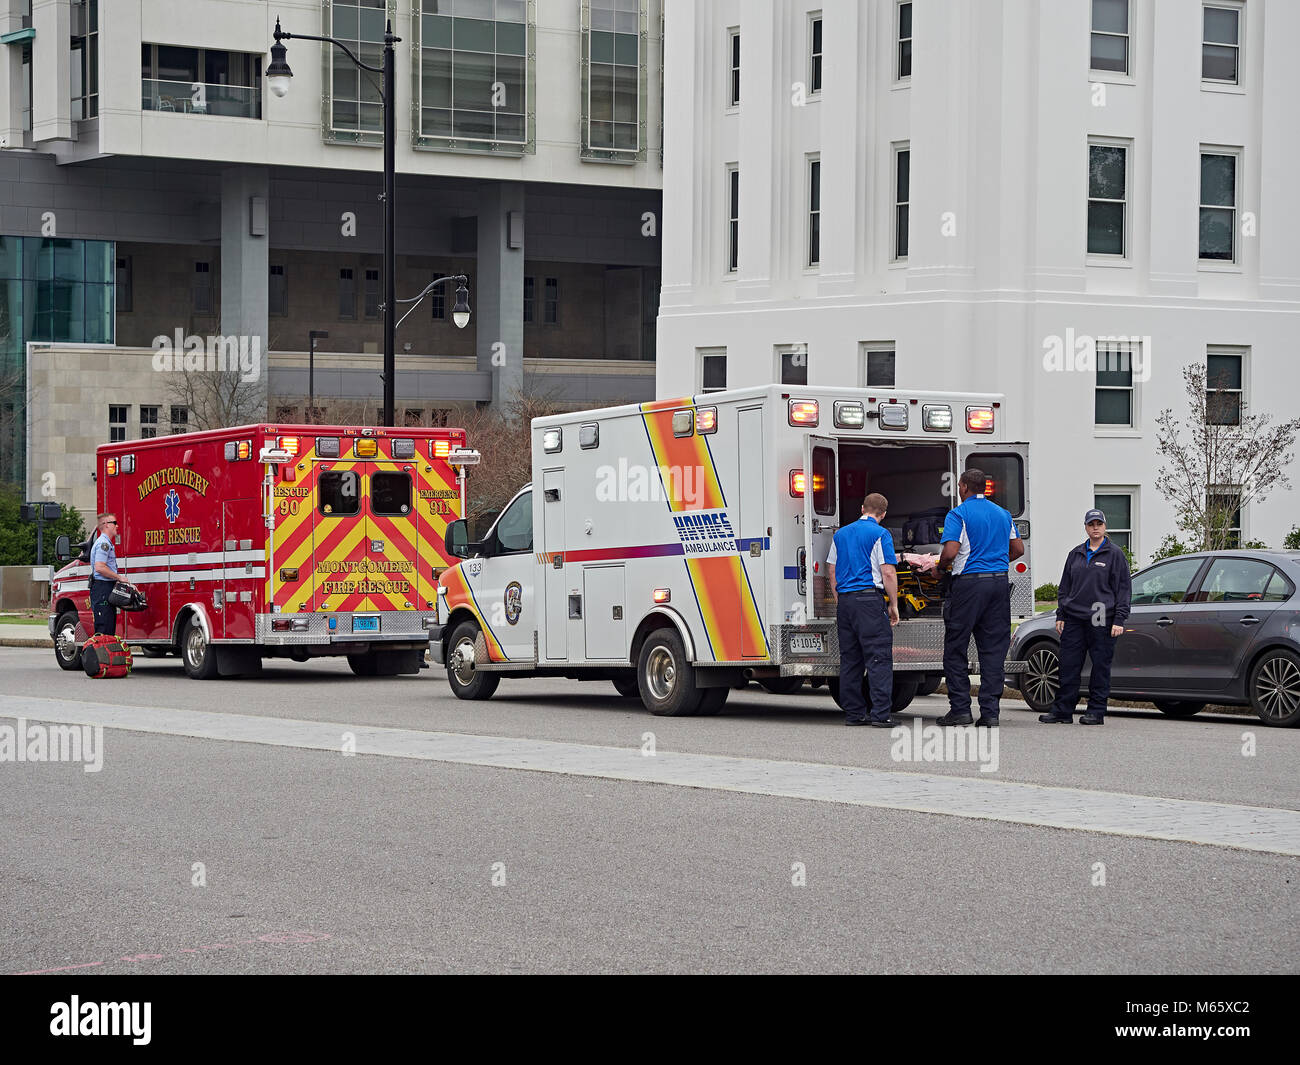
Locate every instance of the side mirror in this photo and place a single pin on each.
(63, 549)
(456, 539)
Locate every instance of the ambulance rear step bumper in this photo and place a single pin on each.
(395, 626)
(918, 648)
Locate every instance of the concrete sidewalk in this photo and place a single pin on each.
(25, 636)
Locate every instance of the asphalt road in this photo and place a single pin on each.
(319, 863)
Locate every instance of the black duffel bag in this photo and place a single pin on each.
(126, 596)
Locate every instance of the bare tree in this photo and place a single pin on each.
(1228, 459)
(220, 387)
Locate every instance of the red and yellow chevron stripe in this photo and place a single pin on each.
(731, 616)
(459, 594)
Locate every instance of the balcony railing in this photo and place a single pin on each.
(232, 101)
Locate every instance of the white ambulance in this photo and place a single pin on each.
(678, 548)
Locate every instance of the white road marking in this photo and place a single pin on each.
(1217, 824)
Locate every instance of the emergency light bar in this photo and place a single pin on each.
(464, 457)
(979, 419)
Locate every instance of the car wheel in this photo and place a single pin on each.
(466, 681)
(67, 652)
(627, 687)
(1040, 683)
(1275, 688)
(196, 653)
(781, 685)
(1178, 707)
(667, 680)
(929, 683)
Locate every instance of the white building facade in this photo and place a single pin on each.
(943, 194)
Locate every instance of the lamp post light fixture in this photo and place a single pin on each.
(313, 336)
(459, 313)
(278, 78)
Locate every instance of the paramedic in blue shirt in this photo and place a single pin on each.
(979, 542)
(1093, 601)
(103, 575)
(862, 571)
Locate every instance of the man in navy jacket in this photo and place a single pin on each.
(1092, 605)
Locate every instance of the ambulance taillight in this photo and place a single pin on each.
(979, 419)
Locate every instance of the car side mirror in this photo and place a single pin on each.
(456, 538)
(63, 549)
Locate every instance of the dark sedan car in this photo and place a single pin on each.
(1210, 627)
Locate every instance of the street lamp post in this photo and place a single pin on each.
(277, 77)
(313, 336)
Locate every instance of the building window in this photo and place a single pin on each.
(1224, 376)
(1113, 403)
(1221, 43)
(733, 219)
(116, 423)
(202, 288)
(475, 78)
(370, 301)
(815, 53)
(529, 289)
(733, 60)
(125, 295)
(551, 303)
(347, 294)
(180, 419)
(613, 97)
(877, 367)
(1107, 198)
(904, 51)
(149, 422)
(902, 192)
(27, 86)
(277, 305)
(1117, 505)
(1218, 206)
(793, 364)
(438, 300)
(814, 211)
(54, 289)
(85, 64)
(355, 108)
(1223, 511)
(1110, 36)
(712, 369)
(200, 81)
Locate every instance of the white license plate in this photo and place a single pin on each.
(808, 643)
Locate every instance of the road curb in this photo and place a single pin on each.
(6, 642)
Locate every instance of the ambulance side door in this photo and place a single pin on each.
(821, 516)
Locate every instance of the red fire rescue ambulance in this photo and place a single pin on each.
(270, 541)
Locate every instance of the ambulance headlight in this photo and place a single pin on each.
(893, 416)
(936, 418)
(552, 440)
(849, 414)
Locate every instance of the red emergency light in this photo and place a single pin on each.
(663, 595)
(289, 444)
(803, 412)
(988, 486)
(797, 483)
(979, 419)
(441, 449)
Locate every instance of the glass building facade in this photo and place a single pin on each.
(53, 290)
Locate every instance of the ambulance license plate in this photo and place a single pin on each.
(369, 623)
(808, 643)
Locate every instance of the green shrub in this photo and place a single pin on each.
(1045, 593)
(1255, 545)
(18, 538)
(1292, 541)
(1169, 547)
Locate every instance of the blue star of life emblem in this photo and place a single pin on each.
(172, 505)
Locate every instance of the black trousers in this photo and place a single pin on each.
(104, 611)
(978, 606)
(866, 646)
(1078, 637)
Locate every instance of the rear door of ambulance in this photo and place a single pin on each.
(1006, 483)
(821, 515)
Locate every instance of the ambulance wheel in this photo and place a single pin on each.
(66, 649)
(363, 665)
(666, 679)
(466, 681)
(712, 702)
(196, 653)
(155, 652)
(781, 685)
(627, 687)
(905, 685)
(929, 683)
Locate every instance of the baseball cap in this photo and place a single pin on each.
(1094, 515)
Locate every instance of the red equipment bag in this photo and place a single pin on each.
(105, 656)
